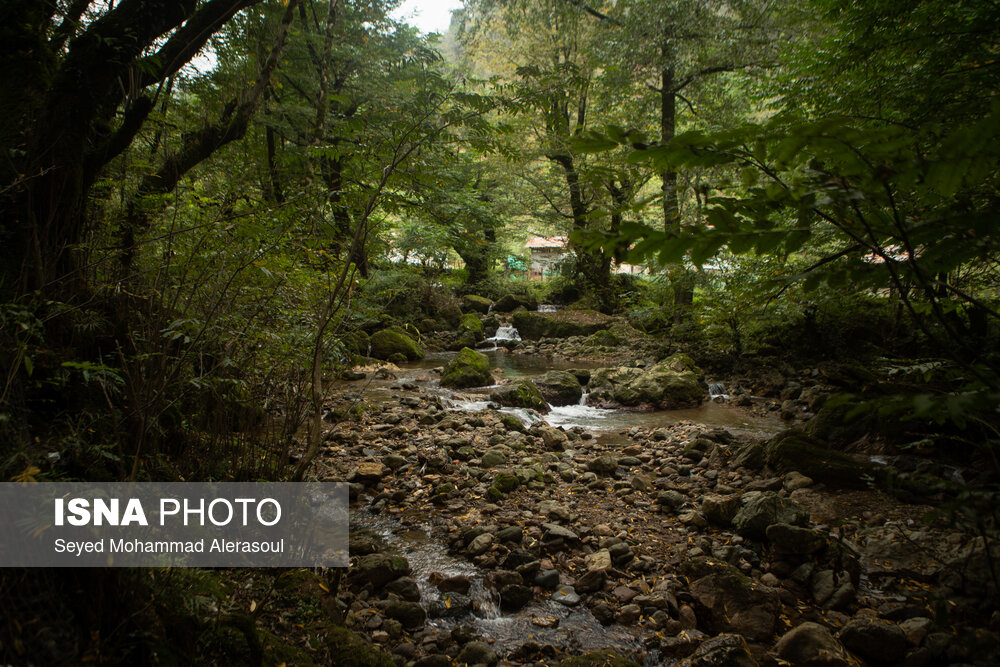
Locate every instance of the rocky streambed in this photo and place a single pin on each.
(483, 536)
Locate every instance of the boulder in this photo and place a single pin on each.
(473, 303)
(471, 324)
(604, 464)
(795, 450)
(468, 369)
(766, 509)
(720, 510)
(410, 614)
(388, 342)
(729, 601)
(559, 387)
(750, 456)
(380, 569)
(671, 383)
(792, 540)
(522, 394)
(508, 303)
(477, 653)
(602, 338)
(874, 639)
(352, 650)
(726, 650)
(812, 645)
(561, 324)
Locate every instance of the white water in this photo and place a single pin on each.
(506, 332)
(547, 308)
(717, 390)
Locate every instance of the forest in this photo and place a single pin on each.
(643, 331)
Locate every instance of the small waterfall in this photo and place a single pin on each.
(717, 390)
(547, 308)
(583, 397)
(506, 332)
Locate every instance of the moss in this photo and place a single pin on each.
(472, 324)
(355, 342)
(512, 423)
(794, 450)
(523, 394)
(602, 338)
(387, 342)
(562, 324)
(468, 369)
(475, 303)
(506, 482)
(349, 649)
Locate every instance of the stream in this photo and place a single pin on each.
(543, 622)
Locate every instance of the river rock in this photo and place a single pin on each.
(480, 544)
(671, 498)
(477, 653)
(410, 614)
(406, 588)
(793, 540)
(795, 451)
(514, 596)
(380, 569)
(458, 583)
(468, 369)
(506, 482)
(767, 509)
(559, 387)
(874, 639)
(590, 582)
(566, 595)
(473, 303)
(726, 650)
(599, 561)
(450, 605)
(672, 383)
(522, 394)
(812, 644)
(388, 342)
(547, 579)
(793, 481)
(368, 473)
(511, 534)
(728, 601)
(561, 324)
(553, 438)
(604, 464)
(492, 458)
(720, 510)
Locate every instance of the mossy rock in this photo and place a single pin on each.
(602, 338)
(597, 659)
(671, 383)
(561, 324)
(506, 482)
(511, 302)
(472, 324)
(512, 423)
(523, 394)
(795, 450)
(473, 303)
(355, 342)
(450, 313)
(559, 387)
(750, 455)
(388, 342)
(349, 649)
(468, 369)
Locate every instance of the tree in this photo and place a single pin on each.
(78, 83)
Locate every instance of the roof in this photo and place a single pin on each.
(547, 242)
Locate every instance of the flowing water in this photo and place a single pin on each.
(574, 628)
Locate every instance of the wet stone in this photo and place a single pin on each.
(514, 596)
(547, 579)
(566, 595)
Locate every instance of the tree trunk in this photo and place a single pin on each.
(682, 289)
